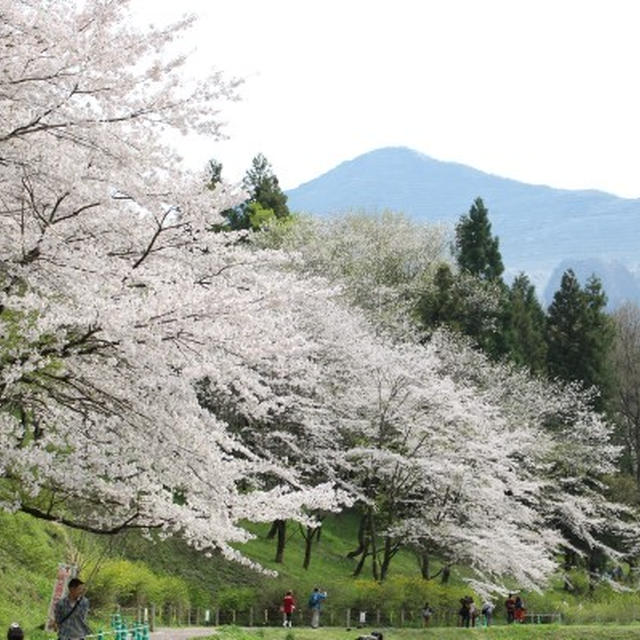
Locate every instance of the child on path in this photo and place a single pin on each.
(288, 607)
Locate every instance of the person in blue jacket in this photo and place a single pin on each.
(315, 604)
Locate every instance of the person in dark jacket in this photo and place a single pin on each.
(71, 612)
(510, 605)
(15, 632)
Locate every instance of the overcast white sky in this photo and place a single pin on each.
(543, 91)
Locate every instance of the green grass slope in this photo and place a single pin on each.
(30, 551)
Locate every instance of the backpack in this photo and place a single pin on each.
(313, 600)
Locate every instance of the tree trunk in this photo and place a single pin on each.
(424, 564)
(281, 539)
(361, 537)
(309, 534)
(387, 554)
(274, 529)
(374, 549)
(446, 572)
(569, 560)
(360, 565)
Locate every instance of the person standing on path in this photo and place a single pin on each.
(427, 612)
(288, 607)
(71, 612)
(315, 604)
(487, 612)
(519, 610)
(510, 605)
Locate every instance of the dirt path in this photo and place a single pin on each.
(182, 634)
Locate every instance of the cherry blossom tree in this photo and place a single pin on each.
(115, 297)
(567, 447)
(382, 262)
(447, 451)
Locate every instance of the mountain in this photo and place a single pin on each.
(539, 227)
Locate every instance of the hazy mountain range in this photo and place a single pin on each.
(542, 230)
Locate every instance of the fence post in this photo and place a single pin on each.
(266, 617)
(378, 617)
(152, 622)
(402, 617)
(217, 616)
(233, 616)
(348, 617)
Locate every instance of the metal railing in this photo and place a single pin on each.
(331, 616)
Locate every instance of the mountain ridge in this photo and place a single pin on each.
(539, 226)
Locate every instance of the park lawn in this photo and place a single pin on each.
(512, 632)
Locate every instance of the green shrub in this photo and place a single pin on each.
(127, 583)
(236, 598)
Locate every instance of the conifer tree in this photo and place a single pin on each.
(214, 173)
(477, 250)
(266, 198)
(580, 335)
(478, 257)
(262, 184)
(524, 326)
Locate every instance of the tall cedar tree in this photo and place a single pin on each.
(524, 326)
(478, 254)
(580, 336)
(477, 251)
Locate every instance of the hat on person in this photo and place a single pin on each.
(74, 582)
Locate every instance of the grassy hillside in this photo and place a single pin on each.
(129, 570)
(328, 560)
(30, 551)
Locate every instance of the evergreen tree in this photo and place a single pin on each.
(477, 250)
(266, 199)
(442, 303)
(477, 300)
(580, 335)
(524, 326)
(262, 184)
(465, 304)
(214, 173)
(214, 178)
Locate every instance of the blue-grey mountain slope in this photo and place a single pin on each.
(539, 227)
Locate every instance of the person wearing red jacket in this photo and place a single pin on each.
(288, 607)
